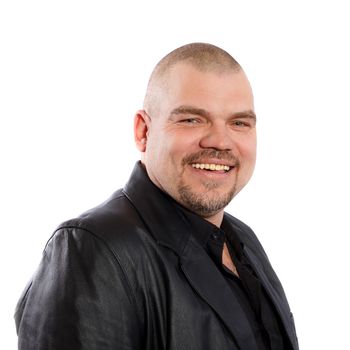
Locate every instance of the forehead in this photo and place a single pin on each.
(216, 91)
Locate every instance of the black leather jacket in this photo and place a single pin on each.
(128, 274)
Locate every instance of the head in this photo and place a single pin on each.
(196, 131)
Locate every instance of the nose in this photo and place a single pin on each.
(218, 137)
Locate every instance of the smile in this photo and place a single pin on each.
(212, 167)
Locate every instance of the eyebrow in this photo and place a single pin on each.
(190, 110)
(245, 114)
(204, 113)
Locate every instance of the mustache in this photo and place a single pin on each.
(211, 154)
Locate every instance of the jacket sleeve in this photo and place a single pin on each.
(79, 298)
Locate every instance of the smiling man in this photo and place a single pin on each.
(160, 265)
(201, 138)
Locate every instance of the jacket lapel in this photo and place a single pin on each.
(204, 277)
(278, 300)
(170, 229)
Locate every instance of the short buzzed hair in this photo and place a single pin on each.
(205, 57)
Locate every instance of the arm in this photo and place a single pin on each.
(79, 299)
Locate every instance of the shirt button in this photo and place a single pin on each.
(215, 235)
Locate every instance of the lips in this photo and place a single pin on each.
(212, 161)
(211, 166)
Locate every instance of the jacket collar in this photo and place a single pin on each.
(165, 223)
(170, 228)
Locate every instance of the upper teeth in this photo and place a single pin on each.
(211, 166)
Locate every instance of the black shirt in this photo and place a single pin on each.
(263, 318)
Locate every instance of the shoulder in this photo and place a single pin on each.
(79, 276)
(109, 240)
(115, 225)
(114, 210)
(116, 217)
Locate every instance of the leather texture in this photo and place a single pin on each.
(128, 274)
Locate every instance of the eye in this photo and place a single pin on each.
(189, 121)
(241, 124)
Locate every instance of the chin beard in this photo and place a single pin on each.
(206, 203)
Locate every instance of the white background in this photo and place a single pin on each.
(72, 74)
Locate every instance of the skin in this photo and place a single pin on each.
(202, 117)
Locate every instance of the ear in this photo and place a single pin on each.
(141, 125)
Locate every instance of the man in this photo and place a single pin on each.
(159, 265)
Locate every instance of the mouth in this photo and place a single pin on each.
(212, 167)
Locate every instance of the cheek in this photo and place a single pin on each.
(247, 148)
(247, 152)
(178, 145)
(165, 154)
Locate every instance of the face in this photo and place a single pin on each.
(200, 147)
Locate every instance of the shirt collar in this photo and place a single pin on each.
(160, 202)
(202, 229)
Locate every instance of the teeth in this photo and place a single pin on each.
(211, 166)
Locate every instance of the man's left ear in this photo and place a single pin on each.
(141, 121)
